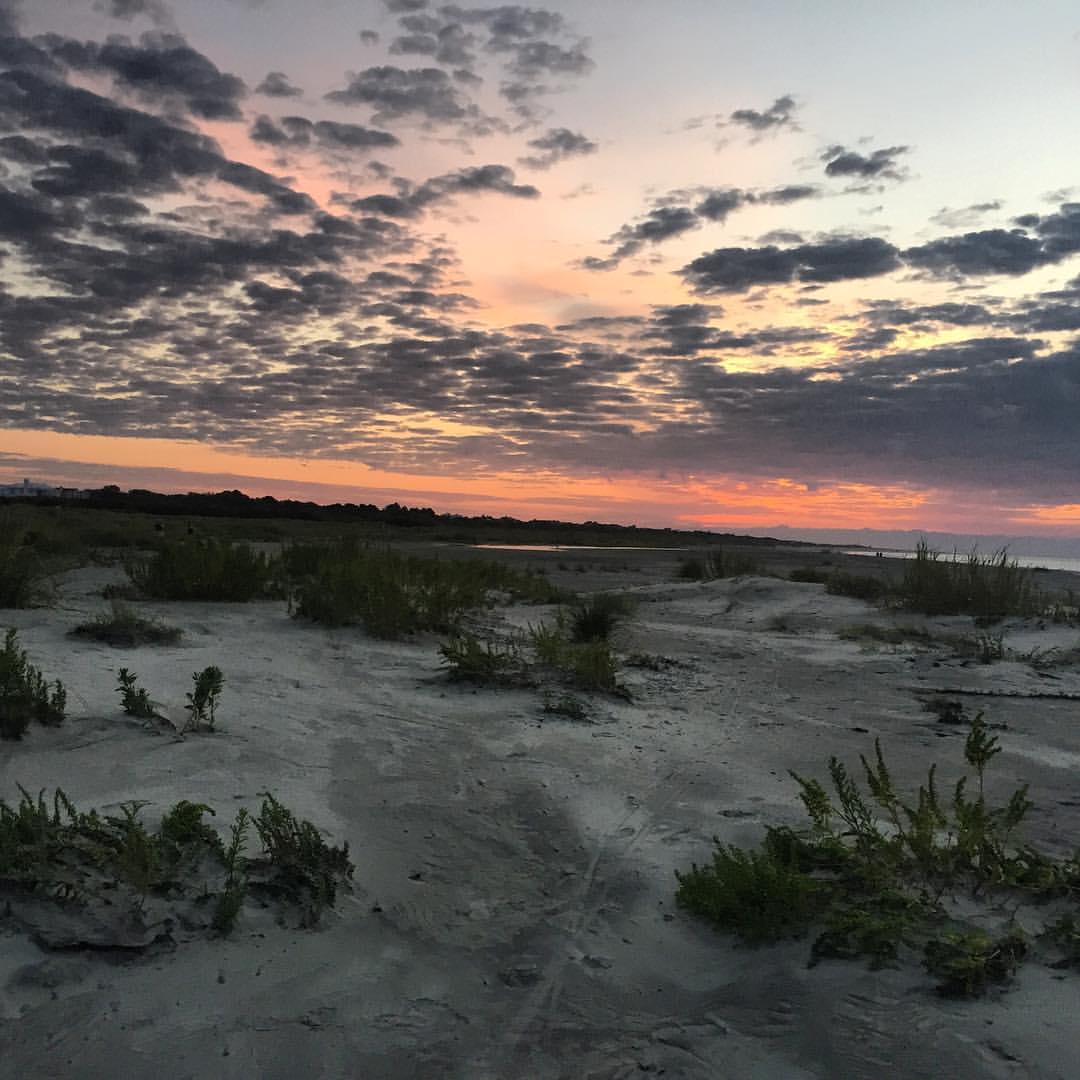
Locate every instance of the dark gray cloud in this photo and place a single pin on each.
(718, 204)
(534, 48)
(405, 5)
(992, 251)
(395, 93)
(738, 269)
(162, 67)
(129, 9)
(780, 114)
(555, 145)
(671, 217)
(880, 164)
(789, 193)
(298, 131)
(369, 37)
(472, 180)
(277, 84)
(964, 216)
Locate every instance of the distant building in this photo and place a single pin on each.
(30, 490)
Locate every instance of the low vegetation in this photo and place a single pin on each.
(990, 586)
(575, 647)
(25, 694)
(203, 697)
(878, 874)
(134, 699)
(715, 564)
(205, 569)
(22, 570)
(101, 880)
(124, 627)
(391, 594)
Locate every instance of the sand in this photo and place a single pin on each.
(513, 909)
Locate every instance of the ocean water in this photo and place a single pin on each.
(1045, 562)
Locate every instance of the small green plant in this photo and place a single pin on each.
(758, 895)
(135, 700)
(489, 663)
(24, 693)
(92, 865)
(125, 627)
(231, 898)
(968, 964)
(202, 700)
(565, 705)
(597, 617)
(876, 871)
(1064, 934)
(303, 867)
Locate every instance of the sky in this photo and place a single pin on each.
(690, 263)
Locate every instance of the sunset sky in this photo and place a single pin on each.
(695, 263)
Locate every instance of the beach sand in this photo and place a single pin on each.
(513, 914)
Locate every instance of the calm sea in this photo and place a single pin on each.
(1046, 562)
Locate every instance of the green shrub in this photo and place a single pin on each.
(135, 700)
(593, 665)
(470, 660)
(589, 664)
(202, 699)
(597, 617)
(716, 564)
(92, 864)
(857, 586)
(22, 571)
(392, 594)
(968, 964)
(205, 570)
(985, 586)
(24, 693)
(874, 870)
(304, 869)
(755, 894)
(125, 627)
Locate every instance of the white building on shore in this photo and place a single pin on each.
(28, 489)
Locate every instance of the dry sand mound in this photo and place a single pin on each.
(513, 913)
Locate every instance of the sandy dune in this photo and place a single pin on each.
(513, 911)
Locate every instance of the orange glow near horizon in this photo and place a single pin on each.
(693, 502)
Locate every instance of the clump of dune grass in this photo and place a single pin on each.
(25, 694)
(714, 564)
(391, 594)
(205, 569)
(986, 586)
(597, 617)
(123, 626)
(22, 570)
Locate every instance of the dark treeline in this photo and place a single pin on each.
(421, 520)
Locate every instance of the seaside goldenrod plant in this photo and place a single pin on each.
(135, 700)
(876, 872)
(103, 868)
(202, 699)
(25, 695)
